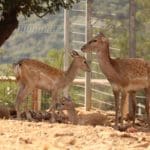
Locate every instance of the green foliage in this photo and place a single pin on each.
(6, 70)
(115, 16)
(143, 10)
(143, 28)
(36, 36)
(55, 58)
(8, 89)
(8, 92)
(77, 94)
(37, 7)
(112, 15)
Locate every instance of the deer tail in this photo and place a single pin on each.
(17, 70)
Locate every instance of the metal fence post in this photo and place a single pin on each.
(66, 44)
(88, 35)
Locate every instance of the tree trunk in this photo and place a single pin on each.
(132, 29)
(8, 24)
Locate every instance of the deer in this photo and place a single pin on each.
(66, 103)
(31, 74)
(126, 75)
(70, 114)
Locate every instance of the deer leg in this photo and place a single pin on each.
(53, 105)
(123, 98)
(116, 95)
(133, 105)
(147, 103)
(54, 100)
(23, 91)
(18, 100)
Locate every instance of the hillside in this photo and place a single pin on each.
(35, 36)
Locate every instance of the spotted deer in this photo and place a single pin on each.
(126, 76)
(31, 74)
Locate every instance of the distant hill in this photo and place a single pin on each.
(34, 38)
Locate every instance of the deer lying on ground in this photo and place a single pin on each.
(67, 104)
(125, 75)
(79, 116)
(31, 74)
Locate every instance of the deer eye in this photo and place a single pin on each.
(94, 40)
(84, 62)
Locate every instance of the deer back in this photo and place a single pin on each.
(37, 74)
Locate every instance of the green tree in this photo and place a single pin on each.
(114, 14)
(132, 28)
(143, 28)
(55, 58)
(11, 9)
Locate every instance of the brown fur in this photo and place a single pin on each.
(80, 116)
(33, 74)
(125, 75)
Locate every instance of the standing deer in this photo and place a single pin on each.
(31, 74)
(126, 76)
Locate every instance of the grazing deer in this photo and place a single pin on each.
(126, 76)
(32, 74)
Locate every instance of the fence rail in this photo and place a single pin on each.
(37, 94)
(7, 78)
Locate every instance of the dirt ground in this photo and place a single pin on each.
(25, 135)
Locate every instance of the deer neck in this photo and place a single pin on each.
(106, 66)
(71, 73)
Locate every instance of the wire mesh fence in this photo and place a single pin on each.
(102, 96)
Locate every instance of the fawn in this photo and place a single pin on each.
(31, 74)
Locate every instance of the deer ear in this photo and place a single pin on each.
(74, 53)
(101, 34)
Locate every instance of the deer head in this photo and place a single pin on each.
(67, 103)
(96, 44)
(80, 61)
